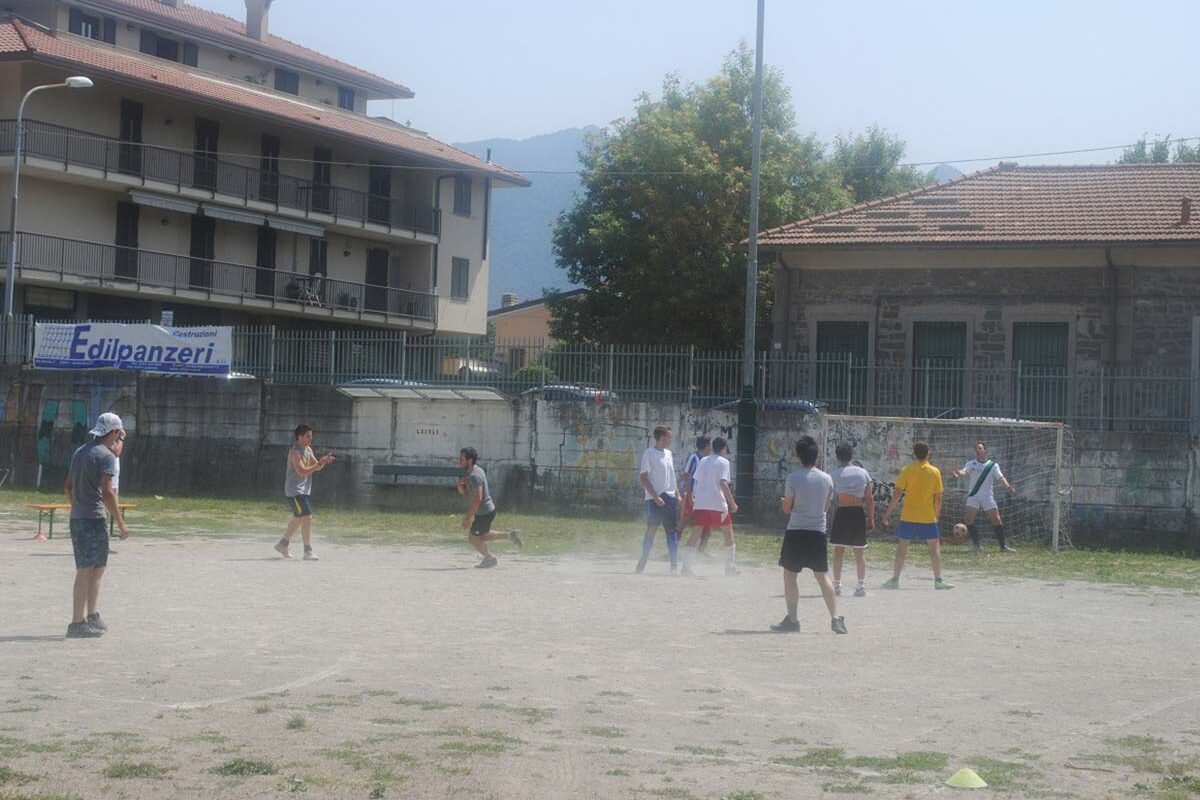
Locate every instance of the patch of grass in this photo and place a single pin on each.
(745, 794)
(1144, 743)
(499, 689)
(262, 708)
(617, 751)
(297, 723)
(1005, 775)
(39, 796)
(604, 731)
(675, 792)
(391, 721)
(919, 761)
(127, 769)
(14, 777)
(815, 757)
(697, 750)
(618, 773)
(242, 766)
(531, 714)
(380, 693)
(424, 705)
(474, 748)
(846, 788)
(788, 740)
(23, 710)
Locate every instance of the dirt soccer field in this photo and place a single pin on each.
(400, 671)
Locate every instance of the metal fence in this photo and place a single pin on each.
(1100, 398)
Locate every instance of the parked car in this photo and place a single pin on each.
(802, 406)
(571, 392)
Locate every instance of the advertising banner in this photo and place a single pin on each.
(144, 348)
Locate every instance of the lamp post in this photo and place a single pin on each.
(74, 82)
(747, 431)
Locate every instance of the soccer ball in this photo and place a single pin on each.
(960, 534)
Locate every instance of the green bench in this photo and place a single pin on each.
(391, 474)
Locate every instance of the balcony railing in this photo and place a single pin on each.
(200, 171)
(131, 267)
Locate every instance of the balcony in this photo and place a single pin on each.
(196, 174)
(53, 259)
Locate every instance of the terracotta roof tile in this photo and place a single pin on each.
(101, 60)
(234, 31)
(1011, 204)
(10, 40)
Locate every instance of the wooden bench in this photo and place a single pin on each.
(390, 474)
(46, 511)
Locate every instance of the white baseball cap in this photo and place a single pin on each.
(106, 424)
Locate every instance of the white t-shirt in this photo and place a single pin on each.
(709, 474)
(659, 467)
(850, 479)
(973, 468)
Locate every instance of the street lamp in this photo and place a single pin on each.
(74, 82)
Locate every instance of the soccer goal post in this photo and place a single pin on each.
(1036, 458)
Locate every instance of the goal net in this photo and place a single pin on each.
(1035, 457)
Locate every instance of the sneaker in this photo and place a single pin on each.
(787, 626)
(938, 583)
(861, 591)
(1007, 549)
(309, 555)
(837, 589)
(82, 630)
(838, 625)
(686, 572)
(487, 563)
(95, 621)
(515, 538)
(731, 571)
(641, 565)
(282, 549)
(894, 583)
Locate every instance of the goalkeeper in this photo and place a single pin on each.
(983, 474)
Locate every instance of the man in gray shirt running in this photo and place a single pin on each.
(91, 487)
(806, 501)
(482, 511)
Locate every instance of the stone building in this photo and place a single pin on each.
(1044, 292)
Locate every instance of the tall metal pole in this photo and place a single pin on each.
(10, 272)
(747, 437)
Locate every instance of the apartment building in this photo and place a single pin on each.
(218, 174)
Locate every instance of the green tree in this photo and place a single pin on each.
(655, 231)
(869, 165)
(1160, 152)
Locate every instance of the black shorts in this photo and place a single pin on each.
(482, 524)
(849, 527)
(804, 550)
(89, 541)
(300, 506)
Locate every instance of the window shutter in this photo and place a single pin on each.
(149, 42)
(191, 54)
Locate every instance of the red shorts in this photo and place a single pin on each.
(703, 518)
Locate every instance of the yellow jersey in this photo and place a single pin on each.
(919, 481)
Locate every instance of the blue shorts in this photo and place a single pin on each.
(89, 540)
(300, 506)
(667, 516)
(923, 531)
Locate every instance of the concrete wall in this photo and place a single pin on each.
(205, 436)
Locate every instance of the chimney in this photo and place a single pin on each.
(1185, 211)
(508, 300)
(256, 18)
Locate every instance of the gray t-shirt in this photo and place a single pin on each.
(476, 478)
(88, 464)
(293, 484)
(850, 479)
(810, 490)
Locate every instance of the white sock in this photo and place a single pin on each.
(731, 555)
(689, 552)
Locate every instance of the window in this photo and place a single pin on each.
(1040, 354)
(110, 30)
(462, 195)
(191, 54)
(82, 24)
(287, 81)
(127, 241)
(939, 359)
(321, 179)
(153, 44)
(268, 169)
(318, 257)
(345, 98)
(842, 349)
(264, 279)
(460, 278)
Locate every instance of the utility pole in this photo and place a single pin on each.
(747, 431)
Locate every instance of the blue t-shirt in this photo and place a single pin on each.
(690, 471)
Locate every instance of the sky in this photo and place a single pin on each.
(955, 80)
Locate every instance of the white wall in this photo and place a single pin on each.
(462, 237)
